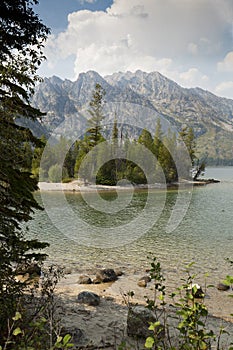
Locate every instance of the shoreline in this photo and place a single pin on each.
(105, 324)
(76, 186)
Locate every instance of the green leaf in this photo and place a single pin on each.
(17, 316)
(149, 342)
(17, 331)
(59, 340)
(154, 325)
(66, 339)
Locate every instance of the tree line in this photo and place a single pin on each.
(107, 160)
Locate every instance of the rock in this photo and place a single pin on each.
(223, 287)
(106, 275)
(33, 270)
(138, 321)
(198, 294)
(68, 271)
(88, 298)
(84, 279)
(96, 281)
(143, 281)
(119, 272)
(77, 334)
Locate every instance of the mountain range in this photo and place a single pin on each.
(147, 96)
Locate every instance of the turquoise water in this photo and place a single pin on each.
(123, 238)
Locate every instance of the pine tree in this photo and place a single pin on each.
(22, 35)
(187, 136)
(158, 138)
(146, 139)
(96, 112)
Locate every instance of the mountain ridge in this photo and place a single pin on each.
(210, 116)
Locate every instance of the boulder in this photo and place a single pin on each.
(106, 275)
(138, 322)
(88, 298)
(223, 287)
(84, 279)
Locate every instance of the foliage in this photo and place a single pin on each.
(190, 330)
(36, 324)
(187, 136)
(22, 36)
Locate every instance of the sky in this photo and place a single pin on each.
(188, 41)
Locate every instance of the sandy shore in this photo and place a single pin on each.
(104, 326)
(76, 186)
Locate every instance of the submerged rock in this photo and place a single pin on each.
(223, 287)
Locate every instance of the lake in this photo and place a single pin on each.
(121, 229)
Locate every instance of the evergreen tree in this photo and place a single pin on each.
(158, 138)
(22, 35)
(146, 139)
(115, 163)
(96, 112)
(165, 158)
(187, 136)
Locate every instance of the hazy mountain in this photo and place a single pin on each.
(143, 96)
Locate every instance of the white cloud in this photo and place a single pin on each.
(171, 36)
(227, 64)
(225, 89)
(193, 77)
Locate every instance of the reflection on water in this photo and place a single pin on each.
(204, 236)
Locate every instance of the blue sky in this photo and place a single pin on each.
(188, 41)
(54, 12)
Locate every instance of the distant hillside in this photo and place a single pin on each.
(209, 115)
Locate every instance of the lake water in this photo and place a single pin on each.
(128, 234)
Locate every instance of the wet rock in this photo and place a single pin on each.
(84, 279)
(88, 298)
(138, 321)
(106, 275)
(223, 287)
